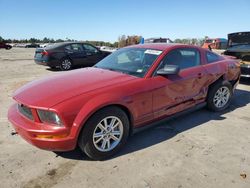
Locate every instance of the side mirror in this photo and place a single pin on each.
(169, 70)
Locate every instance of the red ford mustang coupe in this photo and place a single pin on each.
(97, 108)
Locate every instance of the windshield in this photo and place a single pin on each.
(132, 61)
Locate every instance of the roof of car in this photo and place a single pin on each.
(158, 46)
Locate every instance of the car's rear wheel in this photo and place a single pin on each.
(66, 64)
(219, 96)
(104, 133)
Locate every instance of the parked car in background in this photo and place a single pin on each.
(69, 54)
(97, 108)
(5, 46)
(216, 43)
(32, 45)
(239, 47)
(158, 40)
(107, 48)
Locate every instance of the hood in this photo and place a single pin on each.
(238, 38)
(47, 92)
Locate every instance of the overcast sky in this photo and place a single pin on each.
(107, 19)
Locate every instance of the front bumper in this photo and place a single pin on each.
(29, 131)
(245, 70)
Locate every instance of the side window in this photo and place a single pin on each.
(184, 58)
(68, 47)
(190, 58)
(212, 57)
(76, 47)
(90, 48)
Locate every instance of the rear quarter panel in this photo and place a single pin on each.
(226, 68)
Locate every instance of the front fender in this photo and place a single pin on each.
(95, 104)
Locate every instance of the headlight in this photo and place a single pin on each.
(49, 117)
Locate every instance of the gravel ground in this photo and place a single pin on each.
(202, 149)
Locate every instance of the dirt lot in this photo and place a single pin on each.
(202, 149)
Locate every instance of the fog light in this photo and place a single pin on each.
(51, 136)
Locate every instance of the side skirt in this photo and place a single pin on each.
(192, 109)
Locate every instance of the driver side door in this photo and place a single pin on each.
(75, 52)
(174, 93)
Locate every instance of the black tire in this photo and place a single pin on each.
(214, 94)
(66, 64)
(86, 139)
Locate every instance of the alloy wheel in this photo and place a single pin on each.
(108, 133)
(66, 64)
(221, 97)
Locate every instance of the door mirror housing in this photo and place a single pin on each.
(169, 70)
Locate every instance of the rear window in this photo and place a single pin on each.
(212, 57)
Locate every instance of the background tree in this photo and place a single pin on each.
(1, 39)
(122, 41)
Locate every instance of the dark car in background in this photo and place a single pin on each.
(239, 47)
(158, 40)
(5, 46)
(69, 54)
(32, 45)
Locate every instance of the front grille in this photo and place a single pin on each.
(24, 110)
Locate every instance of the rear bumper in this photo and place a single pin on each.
(41, 63)
(29, 131)
(245, 70)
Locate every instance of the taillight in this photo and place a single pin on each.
(44, 53)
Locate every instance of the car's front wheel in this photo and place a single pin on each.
(66, 64)
(104, 133)
(219, 96)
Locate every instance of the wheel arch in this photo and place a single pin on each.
(87, 116)
(222, 78)
(123, 108)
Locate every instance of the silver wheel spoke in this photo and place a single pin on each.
(97, 135)
(113, 137)
(100, 125)
(115, 133)
(108, 143)
(225, 92)
(115, 125)
(217, 102)
(105, 123)
(224, 100)
(98, 140)
(112, 122)
(104, 144)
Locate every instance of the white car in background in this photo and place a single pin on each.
(107, 49)
(43, 45)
